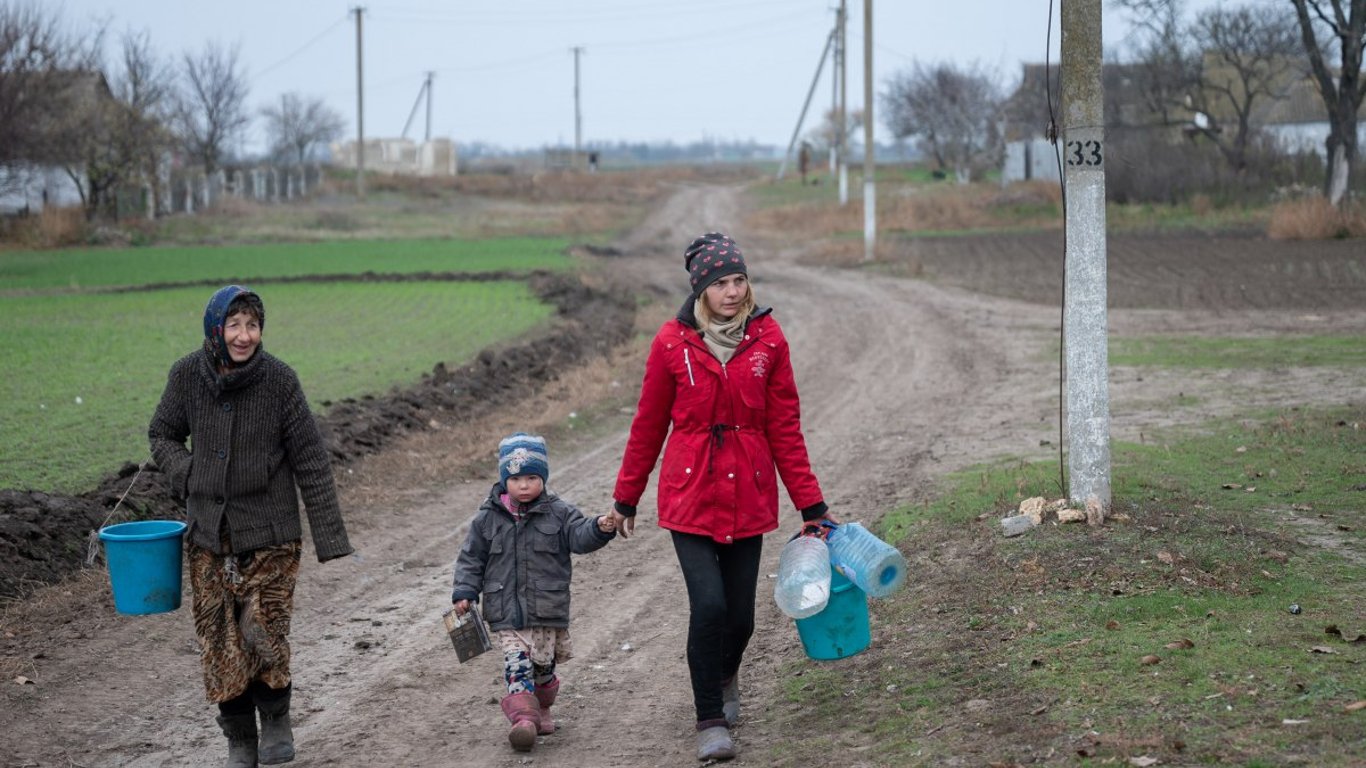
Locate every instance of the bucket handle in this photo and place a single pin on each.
(92, 546)
(819, 529)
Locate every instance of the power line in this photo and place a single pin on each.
(302, 48)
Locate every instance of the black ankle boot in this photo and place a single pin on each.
(277, 737)
(241, 732)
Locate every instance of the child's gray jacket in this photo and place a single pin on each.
(523, 567)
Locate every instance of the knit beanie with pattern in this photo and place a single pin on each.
(710, 258)
(523, 454)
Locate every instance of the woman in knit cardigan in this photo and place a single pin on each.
(253, 442)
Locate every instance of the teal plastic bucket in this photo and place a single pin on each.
(841, 630)
(144, 565)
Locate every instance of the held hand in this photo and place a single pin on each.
(624, 525)
(606, 524)
(462, 607)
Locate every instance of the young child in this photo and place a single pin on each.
(517, 555)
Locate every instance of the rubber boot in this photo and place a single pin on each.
(730, 701)
(241, 733)
(524, 712)
(277, 737)
(714, 743)
(545, 694)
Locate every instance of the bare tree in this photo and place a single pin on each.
(1251, 56)
(298, 124)
(954, 113)
(1344, 25)
(123, 127)
(210, 108)
(41, 67)
(1166, 59)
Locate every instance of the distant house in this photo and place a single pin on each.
(1298, 121)
(1295, 117)
(1028, 152)
(436, 157)
(54, 175)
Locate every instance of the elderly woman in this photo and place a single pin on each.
(254, 449)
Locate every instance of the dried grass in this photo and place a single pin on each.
(1314, 218)
(922, 209)
(51, 228)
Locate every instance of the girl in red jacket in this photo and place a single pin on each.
(719, 384)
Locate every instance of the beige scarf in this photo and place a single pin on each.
(722, 337)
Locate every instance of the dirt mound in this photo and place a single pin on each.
(43, 536)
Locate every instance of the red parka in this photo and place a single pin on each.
(733, 424)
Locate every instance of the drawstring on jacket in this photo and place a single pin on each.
(718, 437)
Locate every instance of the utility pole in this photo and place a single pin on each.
(869, 190)
(430, 75)
(360, 108)
(578, 115)
(842, 112)
(835, 96)
(423, 93)
(1084, 315)
(796, 131)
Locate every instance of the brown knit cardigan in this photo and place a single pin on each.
(253, 439)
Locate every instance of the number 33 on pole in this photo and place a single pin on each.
(1085, 150)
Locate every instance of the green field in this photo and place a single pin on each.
(112, 350)
(28, 271)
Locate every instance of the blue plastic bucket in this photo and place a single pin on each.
(144, 565)
(841, 630)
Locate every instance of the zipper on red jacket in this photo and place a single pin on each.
(688, 362)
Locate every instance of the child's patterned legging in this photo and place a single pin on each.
(530, 655)
(522, 675)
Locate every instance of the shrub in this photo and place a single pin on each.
(1312, 217)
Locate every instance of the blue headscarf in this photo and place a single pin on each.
(216, 314)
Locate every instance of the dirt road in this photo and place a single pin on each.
(901, 381)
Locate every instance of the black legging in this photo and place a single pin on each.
(721, 581)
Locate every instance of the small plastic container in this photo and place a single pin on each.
(803, 586)
(876, 567)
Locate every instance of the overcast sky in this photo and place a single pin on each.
(651, 70)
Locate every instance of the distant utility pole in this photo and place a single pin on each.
(797, 129)
(360, 107)
(842, 145)
(1084, 318)
(425, 92)
(578, 115)
(869, 190)
(430, 75)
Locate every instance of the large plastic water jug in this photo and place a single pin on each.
(876, 567)
(803, 586)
